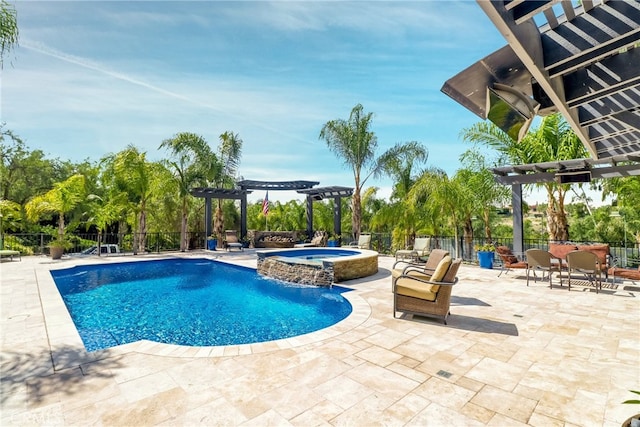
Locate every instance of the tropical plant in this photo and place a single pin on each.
(443, 199)
(60, 200)
(129, 173)
(191, 161)
(553, 140)
(229, 154)
(353, 142)
(8, 29)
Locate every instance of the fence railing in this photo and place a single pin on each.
(36, 244)
(624, 256)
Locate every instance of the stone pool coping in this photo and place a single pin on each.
(64, 336)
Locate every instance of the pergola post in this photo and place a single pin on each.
(243, 216)
(518, 225)
(309, 216)
(207, 216)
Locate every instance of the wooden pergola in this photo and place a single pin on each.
(246, 187)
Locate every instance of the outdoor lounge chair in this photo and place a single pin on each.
(422, 270)
(364, 242)
(421, 248)
(432, 297)
(509, 260)
(231, 240)
(587, 263)
(624, 273)
(10, 253)
(538, 259)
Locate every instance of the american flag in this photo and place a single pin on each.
(265, 205)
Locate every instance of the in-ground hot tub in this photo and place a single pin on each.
(317, 266)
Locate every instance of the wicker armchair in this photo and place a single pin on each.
(423, 270)
(432, 297)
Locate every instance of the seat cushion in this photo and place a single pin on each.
(416, 289)
(397, 272)
(441, 269)
(507, 256)
(560, 250)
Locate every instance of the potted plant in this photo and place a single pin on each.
(57, 247)
(633, 421)
(486, 254)
(334, 241)
(212, 242)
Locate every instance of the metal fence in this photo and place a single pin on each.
(157, 242)
(623, 256)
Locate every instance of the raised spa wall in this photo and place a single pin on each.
(318, 272)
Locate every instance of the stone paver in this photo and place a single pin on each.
(510, 355)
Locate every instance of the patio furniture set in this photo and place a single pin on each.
(589, 260)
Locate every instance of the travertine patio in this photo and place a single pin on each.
(511, 355)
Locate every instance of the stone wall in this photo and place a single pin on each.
(274, 239)
(295, 271)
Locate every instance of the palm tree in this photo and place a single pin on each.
(443, 199)
(485, 190)
(353, 142)
(192, 160)
(554, 140)
(400, 166)
(8, 29)
(60, 200)
(129, 173)
(229, 153)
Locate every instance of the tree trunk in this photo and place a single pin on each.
(468, 236)
(61, 226)
(142, 231)
(487, 228)
(356, 215)
(556, 218)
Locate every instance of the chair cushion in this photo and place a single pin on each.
(507, 256)
(397, 272)
(415, 289)
(441, 269)
(560, 250)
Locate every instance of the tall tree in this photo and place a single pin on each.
(486, 192)
(191, 161)
(8, 29)
(445, 198)
(132, 174)
(401, 167)
(352, 141)
(60, 200)
(553, 140)
(229, 154)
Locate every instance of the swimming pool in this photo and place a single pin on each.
(195, 302)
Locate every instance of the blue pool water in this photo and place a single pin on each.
(194, 302)
(314, 254)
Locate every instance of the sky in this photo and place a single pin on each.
(90, 78)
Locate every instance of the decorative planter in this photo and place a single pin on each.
(633, 421)
(333, 243)
(56, 252)
(486, 259)
(211, 244)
